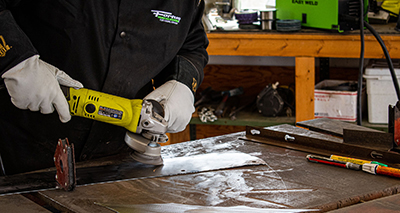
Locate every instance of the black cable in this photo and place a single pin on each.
(388, 59)
(361, 67)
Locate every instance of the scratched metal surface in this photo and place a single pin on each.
(19, 203)
(287, 182)
(389, 204)
(330, 126)
(123, 167)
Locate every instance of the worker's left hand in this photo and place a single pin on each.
(178, 103)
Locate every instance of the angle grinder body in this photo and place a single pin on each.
(144, 119)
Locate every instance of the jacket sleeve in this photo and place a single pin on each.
(15, 46)
(187, 66)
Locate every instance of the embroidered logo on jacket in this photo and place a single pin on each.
(194, 85)
(167, 17)
(3, 47)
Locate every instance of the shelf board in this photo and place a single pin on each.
(254, 119)
(248, 119)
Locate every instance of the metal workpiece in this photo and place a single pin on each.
(222, 174)
(317, 143)
(331, 127)
(375, 140)
(64, 160)
(178, 159)
(206, 114)
(284, 181)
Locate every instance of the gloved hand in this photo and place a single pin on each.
(178, 103)
(34, 84)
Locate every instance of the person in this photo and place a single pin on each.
(141, 49)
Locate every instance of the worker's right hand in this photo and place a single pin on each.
(35, 85)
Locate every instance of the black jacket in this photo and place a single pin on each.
(114, 46)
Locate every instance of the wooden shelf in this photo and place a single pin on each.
(305, 46)
(254, 119)
(248, 119)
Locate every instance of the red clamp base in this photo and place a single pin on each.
(64, 160)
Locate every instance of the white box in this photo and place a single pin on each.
(333, 104)
(380, 93)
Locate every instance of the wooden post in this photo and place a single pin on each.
(304, 88)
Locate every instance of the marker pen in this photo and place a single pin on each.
(381, 170)
(354, 160)
(324, 160)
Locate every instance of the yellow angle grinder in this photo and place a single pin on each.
(144, 119)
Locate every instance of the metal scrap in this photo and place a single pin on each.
(64, 160)
(206, 114)
(321, 145)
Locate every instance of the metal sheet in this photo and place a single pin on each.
(182, 208)
(374, 140)
(126, 169)
(319, 145)
(286, 128)
(19, 203)
(288, 181)
(386, 204)
(332, 127)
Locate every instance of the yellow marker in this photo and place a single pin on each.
(354, 160)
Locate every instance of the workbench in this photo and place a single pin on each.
(305, 46)
(285, 181)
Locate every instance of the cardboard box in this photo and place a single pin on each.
(380, 93)
(335, 104)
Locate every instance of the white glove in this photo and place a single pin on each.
(34, 84)
(178, 103)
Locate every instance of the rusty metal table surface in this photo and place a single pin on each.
(19, 203)
(287, 182)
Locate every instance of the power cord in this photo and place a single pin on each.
(387, 56)
(363, 24)
(361, 66)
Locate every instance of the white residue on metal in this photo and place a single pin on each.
(202, 146)
(259, 202)
(184, 208)
(239, 186)
(255, 153)
(279, 170)
(211, 161)
(223, 186)
(212, 146)
(280, 191)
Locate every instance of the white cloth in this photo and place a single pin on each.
(35, 85)
(178, 103)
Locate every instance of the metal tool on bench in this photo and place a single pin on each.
(144, 119)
